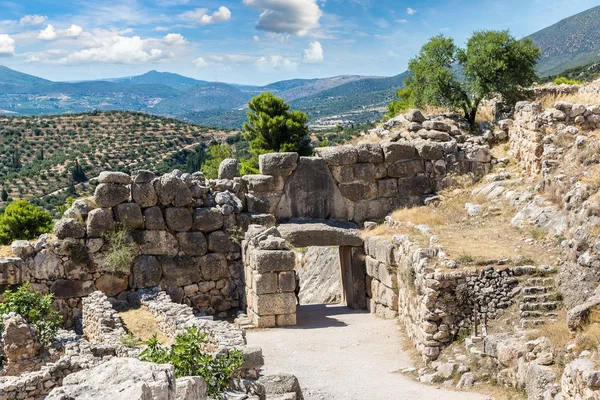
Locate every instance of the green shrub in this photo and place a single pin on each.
(561, 80)
(188, 358)
(120, 253)
(22, 220)
(36, 308)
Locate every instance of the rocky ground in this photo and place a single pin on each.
(340, 354)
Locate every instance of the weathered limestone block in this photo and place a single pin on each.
(143, 176)
(287, 281)
(192, 243)
(577, 316)
(111, 285)
(264, 183)
(312, 233)
(398, 151)
(371, 210)
(69, 228)
(146, 272)
(387, 187)
(368, 172)
(191, 388)
(338, 155)
(369, 153)
(100, 221)
(285, 319)
(47, 266)
(343, 173)
(144, 194)
(179, 271)
(172, 190)
(263, 202)
(129, 215)
(539, 379)
(221, 242)
(79, 210)
(265, 283)
(178, 219)
(414, 115)
(22, 249)
(228, 168)
(114, 177)
(119, 378)
(207, 219)
(108, 195)
(13, 271)
(436, 126)
(154, 219)
(213, 267)
(156, 243)
(277, 164)
(311, 192)
(272, 260)
(358, 191)
(438, 136)
(428, 150)
(66, 288)
(275, 304)
(405, 169)
(580, 380)
(280, 385)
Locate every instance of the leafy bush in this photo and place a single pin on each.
(22, 220)
(36, 308)
(561, 80)
(120, 253)
(188, 358)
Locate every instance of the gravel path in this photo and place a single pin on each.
(341, 354)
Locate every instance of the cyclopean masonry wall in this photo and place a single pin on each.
(186, 230)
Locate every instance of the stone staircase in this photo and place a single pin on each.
(539, 301)
(243, 321)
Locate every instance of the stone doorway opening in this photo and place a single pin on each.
(335, 254)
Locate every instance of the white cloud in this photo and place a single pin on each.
(232, 58)
(275, 62)
(401, 21)
(117, 49)
(7, 45)
(287, 16)
(256, 38)
(411, 11)
(49, 33)
(161, 29)
(168, 3)
(33, 20)
(200, 16)
(174, 38)
(314, 53)
(201, 62)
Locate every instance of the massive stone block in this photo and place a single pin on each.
(311, 192)
(320, 233)
(178, 219)
(264, 183)
(112, 285)
(228, 169)
(47, 266)
(110, 194)
(192, 243)
(146, 272)
(129, 215)
(338, 155)
(272, 260)
(357, 191)
(213, 267)
(67, 288)
(179, 271)
(265, 283)
(405, 169)
(369, 152)
(154, 219)
(398, 151)
(69, 228)
(220, 242)
(263, 202)
(156, 243)
(100, 221)
(144, 194)
(12, 271)
(207, 219)
(387, 187)
(277, 164)
(114, 177)
(275, 304)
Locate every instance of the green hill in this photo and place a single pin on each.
(12, 77)
(570, 43)
(174, 81)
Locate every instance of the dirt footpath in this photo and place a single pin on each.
(338, 353)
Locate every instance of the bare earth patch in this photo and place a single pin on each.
(141, 324)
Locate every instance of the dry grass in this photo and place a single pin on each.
(140, 323)
(450, 210)
(6, 251)
(549, 100)
(485, 113)
(557, 332)
(387, 231)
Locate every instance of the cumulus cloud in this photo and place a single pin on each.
(201, 62)
(49, 33)
(200, 16)
(174, 38)
(117, 49)
(297, 17)
(161, 29)
(7, 45)
(275, 62)
(314, 53)
(33, 20)
(411, 11)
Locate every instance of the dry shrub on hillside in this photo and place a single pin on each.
(450, 210)
(387, 231)
(549, 100)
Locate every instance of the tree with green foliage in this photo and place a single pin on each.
(78, 174)
(188, 358)
(492, 63)
(4, 194)
(36, 308)
(22, 220)
(561, 80)
(400, 105)
(272, 127)
(215, 154)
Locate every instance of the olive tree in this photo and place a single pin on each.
(493, 63)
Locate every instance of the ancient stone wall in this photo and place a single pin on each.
(435, 304)
(101, 323)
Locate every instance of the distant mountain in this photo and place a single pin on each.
(175, 81)
(315, 86)
(12, 77)
(570, 43)
(205, 97)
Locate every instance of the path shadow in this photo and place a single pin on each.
(316, 316)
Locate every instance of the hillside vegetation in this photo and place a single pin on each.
(38, 155)
(570, 43)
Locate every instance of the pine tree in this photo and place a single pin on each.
(78, 174)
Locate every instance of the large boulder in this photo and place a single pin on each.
(100, 221)
(114, 177)
(277, 164)
(281, 384)
(577, 316)
(119, 378)
(228, 169)
(338, 155)
(108, 195)
(69, 228)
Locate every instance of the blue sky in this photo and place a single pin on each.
(248, 41)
